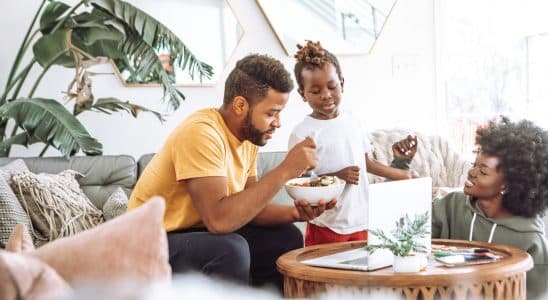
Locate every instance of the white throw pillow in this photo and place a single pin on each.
(115, 205)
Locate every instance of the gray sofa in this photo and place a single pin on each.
(103, 174)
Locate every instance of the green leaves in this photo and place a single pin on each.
(77, 37)
(51, 15)
(403, 240)
(47, 121)
(54, 48)
(110, 105)
(146, 35)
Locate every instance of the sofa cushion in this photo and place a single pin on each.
(116, 204)
(55, 203)
(102, 175)
(143, 162)
(11, 211)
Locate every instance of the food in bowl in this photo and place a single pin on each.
(322, 181)
(325, 187)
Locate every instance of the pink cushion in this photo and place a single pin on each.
(25, 277)
(20, 240)
(132, 246)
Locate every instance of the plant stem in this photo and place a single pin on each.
(19, 79)
(37, 82)
(21, 52)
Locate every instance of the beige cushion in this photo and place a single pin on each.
(115, 205)
(11, 211)
(25, 277)
(56, 204)
(132, 246)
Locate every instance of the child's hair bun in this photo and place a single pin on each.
(311, 53)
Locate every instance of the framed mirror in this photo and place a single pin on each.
(345, 27)
(209, 28)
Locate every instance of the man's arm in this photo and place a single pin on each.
(222, 213)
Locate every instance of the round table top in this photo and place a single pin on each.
(514, 261)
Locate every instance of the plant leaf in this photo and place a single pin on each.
(155, 35)
(47, 121)
(110, 105)
(51, 15)
(18, 139)
(54, 48)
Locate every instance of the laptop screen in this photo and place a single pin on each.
(392, 200)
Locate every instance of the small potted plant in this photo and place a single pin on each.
(404, 242)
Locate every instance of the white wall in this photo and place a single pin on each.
(394, 86)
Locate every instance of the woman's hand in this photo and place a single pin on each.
(349, 174)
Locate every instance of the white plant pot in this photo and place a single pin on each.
(411, 263)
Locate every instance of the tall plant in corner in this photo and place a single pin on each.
(79, 36)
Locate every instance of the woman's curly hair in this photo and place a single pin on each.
(312, 55)
(522, 149)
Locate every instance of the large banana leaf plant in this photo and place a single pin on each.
(78, 36)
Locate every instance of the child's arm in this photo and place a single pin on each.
(376, 168)
(403, 150)
(349, 174)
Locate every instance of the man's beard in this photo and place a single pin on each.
(251, 133)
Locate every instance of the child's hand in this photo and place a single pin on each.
(406, 148)
(412, 174)
(349, 174)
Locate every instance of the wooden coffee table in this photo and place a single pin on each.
(504, 279)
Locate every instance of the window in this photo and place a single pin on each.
(493, 60)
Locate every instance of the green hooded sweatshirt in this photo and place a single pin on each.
(457, 216)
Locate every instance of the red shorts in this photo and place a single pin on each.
(316, 235)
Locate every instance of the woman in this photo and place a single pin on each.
(505, 195)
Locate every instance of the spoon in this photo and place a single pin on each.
(312, 175)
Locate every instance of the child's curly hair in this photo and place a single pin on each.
(312, 55)
(522, 148)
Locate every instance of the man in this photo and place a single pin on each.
(219, 218)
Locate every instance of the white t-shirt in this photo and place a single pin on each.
(340, 142)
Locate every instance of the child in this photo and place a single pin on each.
(342, 146)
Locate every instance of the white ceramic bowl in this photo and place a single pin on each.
(313, 194)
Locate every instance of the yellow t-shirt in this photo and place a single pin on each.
(201, 146)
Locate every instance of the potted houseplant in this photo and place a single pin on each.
(404, 242)
(78, 36)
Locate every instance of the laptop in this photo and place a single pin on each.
(388, 202)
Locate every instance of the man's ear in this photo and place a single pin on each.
(240, 106)
(342, 84)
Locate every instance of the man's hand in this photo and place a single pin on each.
(349, 174)
(305, 212)
(406, 148)
(301, 158)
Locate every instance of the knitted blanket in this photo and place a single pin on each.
(434, 158)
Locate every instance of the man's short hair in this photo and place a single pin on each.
(253, 76)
